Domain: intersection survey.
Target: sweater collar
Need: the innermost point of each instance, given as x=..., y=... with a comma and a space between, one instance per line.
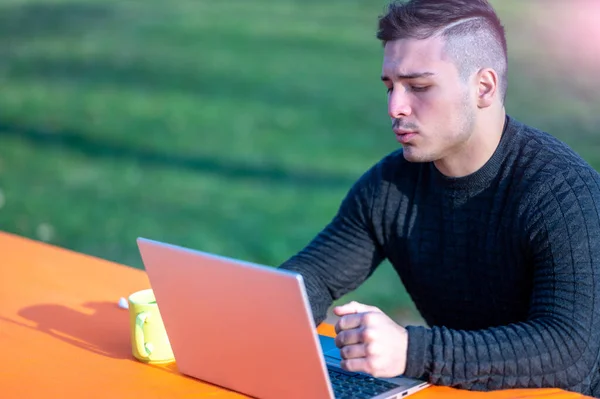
x=490, y=170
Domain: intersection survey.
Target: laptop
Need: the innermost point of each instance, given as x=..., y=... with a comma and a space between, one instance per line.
x=249, y=328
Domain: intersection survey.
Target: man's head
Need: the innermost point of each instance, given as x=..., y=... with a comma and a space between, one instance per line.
x=444, y=62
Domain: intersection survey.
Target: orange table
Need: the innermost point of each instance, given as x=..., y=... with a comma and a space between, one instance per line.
x=62, y=334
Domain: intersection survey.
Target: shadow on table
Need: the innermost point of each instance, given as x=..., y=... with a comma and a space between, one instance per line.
x=103, y=330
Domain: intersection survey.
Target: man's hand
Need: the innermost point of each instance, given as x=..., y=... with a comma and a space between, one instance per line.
x=370, y=341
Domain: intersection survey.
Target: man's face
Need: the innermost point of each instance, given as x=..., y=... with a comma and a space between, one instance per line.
x=432, y=108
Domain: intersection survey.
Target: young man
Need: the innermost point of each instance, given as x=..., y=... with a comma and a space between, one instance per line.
x=492, y=225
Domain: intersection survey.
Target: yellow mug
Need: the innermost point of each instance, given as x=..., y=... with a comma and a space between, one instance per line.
x=149, y=340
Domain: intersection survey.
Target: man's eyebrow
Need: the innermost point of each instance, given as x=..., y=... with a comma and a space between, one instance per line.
x=415, y=75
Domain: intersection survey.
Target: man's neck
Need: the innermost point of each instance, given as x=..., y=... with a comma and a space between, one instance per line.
x=480, y=147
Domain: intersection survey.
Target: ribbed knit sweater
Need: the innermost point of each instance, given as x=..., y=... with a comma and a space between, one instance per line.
x=503, y=265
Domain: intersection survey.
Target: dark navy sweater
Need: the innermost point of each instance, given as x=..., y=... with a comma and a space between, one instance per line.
x=503, y=265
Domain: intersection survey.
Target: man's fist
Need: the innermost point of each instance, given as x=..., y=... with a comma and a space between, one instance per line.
x=369, y=341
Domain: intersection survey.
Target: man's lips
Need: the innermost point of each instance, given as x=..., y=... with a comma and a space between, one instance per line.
x=404, y=136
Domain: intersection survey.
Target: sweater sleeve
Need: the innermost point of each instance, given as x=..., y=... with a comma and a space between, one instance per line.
x=345, y=253
x=558, y=345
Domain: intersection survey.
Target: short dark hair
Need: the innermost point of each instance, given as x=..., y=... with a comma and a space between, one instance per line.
x=475, y=37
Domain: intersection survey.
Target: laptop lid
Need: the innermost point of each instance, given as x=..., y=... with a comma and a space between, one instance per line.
x=236, y=324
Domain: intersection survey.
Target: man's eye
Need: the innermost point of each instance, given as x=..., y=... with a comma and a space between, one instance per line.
x=389, y=90
x=419, y=88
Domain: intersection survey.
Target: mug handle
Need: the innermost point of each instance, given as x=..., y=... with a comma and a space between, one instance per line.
x=143, y=348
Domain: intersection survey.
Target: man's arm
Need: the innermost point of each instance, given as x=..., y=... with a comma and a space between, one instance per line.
x=559, y=344
x=345, y=253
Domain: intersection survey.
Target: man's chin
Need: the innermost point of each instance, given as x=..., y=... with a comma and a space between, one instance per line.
x=411, y=154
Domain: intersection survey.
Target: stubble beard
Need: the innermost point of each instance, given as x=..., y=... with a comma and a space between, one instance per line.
x=465, y=128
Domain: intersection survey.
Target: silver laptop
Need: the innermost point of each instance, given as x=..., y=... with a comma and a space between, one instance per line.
x=249, y=328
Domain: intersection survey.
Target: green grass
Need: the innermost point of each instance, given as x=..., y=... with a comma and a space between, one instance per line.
x=233, y=127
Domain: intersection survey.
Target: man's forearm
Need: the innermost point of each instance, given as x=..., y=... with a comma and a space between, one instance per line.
x=338, y=260
x=344, y=254
x=319, y=295
x=541, y=353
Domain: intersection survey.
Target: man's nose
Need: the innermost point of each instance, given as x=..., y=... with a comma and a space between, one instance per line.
x=398, y=104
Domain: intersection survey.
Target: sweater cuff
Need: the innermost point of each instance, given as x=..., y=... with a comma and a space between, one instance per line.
x=418, y=360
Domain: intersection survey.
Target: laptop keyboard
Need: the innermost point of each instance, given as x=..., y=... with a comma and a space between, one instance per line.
x=356, y=386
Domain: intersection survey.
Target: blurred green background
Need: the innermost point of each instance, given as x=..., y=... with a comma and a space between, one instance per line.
x=233, y=127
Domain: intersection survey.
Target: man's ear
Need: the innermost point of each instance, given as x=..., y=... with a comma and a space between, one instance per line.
x=487, y=87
